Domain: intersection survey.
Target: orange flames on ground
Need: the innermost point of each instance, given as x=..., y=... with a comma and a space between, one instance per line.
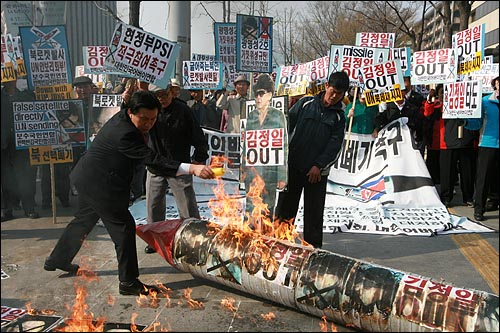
x=82, y=320
x=324, y=325
x=268, y=316
x=228, y=303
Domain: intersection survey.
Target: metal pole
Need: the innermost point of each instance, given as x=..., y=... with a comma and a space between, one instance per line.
x=179, y=30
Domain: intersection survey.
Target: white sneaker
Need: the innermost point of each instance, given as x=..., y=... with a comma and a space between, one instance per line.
x=74, y=191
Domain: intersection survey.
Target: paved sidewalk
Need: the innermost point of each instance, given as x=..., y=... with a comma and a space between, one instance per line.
x=26, y=243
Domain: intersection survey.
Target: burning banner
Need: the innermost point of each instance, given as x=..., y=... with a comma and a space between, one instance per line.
x=344, y=290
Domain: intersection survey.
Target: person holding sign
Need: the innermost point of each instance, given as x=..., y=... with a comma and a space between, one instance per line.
x=364, y=116
x=487, y=154
x=102, y=177
x=18, y=176
x=317, y=127
x=399, y=109
x=233, y=106
x=265, y=153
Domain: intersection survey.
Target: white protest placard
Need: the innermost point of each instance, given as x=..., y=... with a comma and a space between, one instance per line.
x=299, y=79
x=375, y=39
x=382, y=82
x=203, y=74
x=94, y=58
x=470, y=46
x=143, y=55
x=434, y=66
x=462, y=100
x=47, y=123
x=350, y=58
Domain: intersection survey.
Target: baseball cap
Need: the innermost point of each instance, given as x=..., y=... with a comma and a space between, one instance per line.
x=155, y=88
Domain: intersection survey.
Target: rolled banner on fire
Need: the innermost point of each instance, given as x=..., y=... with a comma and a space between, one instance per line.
x=347, y=291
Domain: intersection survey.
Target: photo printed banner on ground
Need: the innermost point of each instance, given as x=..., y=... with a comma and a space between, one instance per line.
x=378, y=186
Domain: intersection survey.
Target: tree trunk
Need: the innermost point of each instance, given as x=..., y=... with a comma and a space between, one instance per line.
x=464, y=8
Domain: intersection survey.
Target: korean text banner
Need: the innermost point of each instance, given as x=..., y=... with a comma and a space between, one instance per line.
x=225, y=51
x=94, y=60
x=486, y=74
x=462, y=100
x=254, y=43
x=350, y=58
x=296, y=79
x=434, y=66
x=382, y=82
x=470, y=46
x=142, y=55
x=47, y=123
x=202, y=75
x=375, y=39
x=46, y=55
x=404, y=56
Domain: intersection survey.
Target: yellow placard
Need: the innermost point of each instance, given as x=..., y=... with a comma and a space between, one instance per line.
x=51, y=154
x=55, y=92
x=8, y=72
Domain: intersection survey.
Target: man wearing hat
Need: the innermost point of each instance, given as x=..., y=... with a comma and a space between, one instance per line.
x=233, y=108
x=177, y=132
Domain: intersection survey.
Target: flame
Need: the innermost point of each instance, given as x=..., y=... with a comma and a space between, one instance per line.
x=81, y=319
x=228, y=303
x=324, y=325
x=191, y=302
x=268, y=316
x=227, y=213
x=110, y=299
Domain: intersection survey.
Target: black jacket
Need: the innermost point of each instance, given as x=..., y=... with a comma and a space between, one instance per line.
x=105, y=171
x=176, y=132
x=316, y=133
x=409, y=110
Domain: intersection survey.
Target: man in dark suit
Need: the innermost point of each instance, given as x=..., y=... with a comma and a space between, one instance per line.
x=103, y=176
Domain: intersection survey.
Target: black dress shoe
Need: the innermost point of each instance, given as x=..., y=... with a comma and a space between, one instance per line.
x=69, y=268
x=137, y=288
x=479, y=217
x=149, y=249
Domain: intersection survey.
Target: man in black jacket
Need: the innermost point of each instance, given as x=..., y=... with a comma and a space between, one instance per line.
x=102, y=177
x=317, y=127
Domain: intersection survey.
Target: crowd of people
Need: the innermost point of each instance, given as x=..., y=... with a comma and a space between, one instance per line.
x=155, y=144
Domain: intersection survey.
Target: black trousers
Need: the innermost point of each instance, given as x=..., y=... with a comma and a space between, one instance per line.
x=432, y=163
x=119, y=223
x=486, y=176
x=314, y=204
x=466, y=159
x=18, y=180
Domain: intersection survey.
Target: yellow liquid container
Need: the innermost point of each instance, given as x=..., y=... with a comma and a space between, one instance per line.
x=218, y=172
